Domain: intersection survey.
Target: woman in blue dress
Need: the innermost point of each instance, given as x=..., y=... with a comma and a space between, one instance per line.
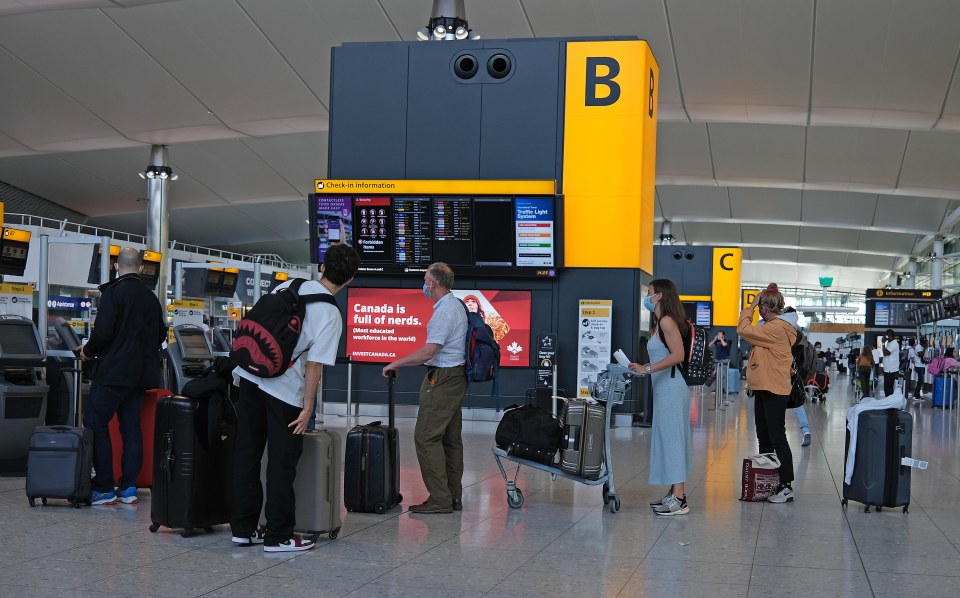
x=671, y=447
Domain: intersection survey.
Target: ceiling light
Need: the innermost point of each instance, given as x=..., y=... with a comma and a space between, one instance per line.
x=174, y=177
x=158, y=172
x=142, y=176
x=461, y=33
x=439, y=31
x=423, y=34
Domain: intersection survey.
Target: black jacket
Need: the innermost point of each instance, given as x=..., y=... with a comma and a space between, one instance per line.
x=127, y=335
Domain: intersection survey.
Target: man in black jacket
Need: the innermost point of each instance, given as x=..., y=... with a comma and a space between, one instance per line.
x=126, y=340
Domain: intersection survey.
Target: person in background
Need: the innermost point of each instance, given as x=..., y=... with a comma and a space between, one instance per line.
x=920, y=369
x=671, y=448
x=865, y=367
x=800, y=412
x=126, y=340
x=877, y=361
x=438, y=433
x=720, y=346
x=891, y=362
x=768, y=374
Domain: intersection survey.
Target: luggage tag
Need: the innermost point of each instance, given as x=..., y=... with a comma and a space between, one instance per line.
x=907, y=461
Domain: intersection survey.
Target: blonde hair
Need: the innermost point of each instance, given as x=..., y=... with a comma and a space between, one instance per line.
x=772, y=299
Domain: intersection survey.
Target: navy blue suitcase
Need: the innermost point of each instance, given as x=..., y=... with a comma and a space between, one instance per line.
x=371, y=472
x=59, y=464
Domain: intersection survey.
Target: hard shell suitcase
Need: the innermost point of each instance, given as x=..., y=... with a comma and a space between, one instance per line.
x=884, y=437
x=148, y=416
x=317, y=485
x=59, y=464
x=371, y=474
x=192, y=472
x=733, y=380
x=938, y=390
x=581, y=450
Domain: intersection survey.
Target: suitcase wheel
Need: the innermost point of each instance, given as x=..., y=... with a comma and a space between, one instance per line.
x=33, y=501
x=606, y=493
x=906, y=508
x=187, y=532
x=208, y=529
x=843, y=503
x=380, y=508
x=43, y=501
x=154, y=527
x=334, y=534
x=515, y=499
x=866, y=509
x=399, y=498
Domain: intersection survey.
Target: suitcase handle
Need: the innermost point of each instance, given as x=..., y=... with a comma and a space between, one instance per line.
x=391, y=384
x=61, y=428
x=166, y=465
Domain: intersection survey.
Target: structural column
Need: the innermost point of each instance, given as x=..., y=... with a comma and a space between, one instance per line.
x=936, y=271
x=159, y=175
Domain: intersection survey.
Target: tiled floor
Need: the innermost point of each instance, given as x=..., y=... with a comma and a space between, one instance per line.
x=562, y=542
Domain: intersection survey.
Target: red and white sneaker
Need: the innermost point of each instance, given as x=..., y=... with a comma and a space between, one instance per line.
x=294, y=544
x=255, y=538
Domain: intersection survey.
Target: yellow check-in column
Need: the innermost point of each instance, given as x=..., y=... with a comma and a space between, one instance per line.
x=609, y=154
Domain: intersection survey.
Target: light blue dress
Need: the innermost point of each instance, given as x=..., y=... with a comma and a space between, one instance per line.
x=672, y=444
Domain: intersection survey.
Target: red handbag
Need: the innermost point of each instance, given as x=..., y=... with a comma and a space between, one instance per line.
x=761, y=477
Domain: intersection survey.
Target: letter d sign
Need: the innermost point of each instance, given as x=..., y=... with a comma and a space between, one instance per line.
x=594, y=80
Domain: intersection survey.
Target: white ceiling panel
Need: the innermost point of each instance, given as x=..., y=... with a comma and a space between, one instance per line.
x=829, y=238
x=227, y=219
x=757, y=152
x=694, y=203
x=837, y=207
x=299, y=159
x=747, y=60
x=218, y=165
x=220, y=54
x=883, y=62
x=711, y=233
x=774, y=235
x=683, y=151
x=65, y=45
x=285, y=219
x=773, y=254
x=63, y=183
x=915, y=214
x=824, y=258
x=854, y=155
x=950, y=120
x=931, y=161
x=884, y=243
x=759, y=203
x=130, y=222
x=873, y=262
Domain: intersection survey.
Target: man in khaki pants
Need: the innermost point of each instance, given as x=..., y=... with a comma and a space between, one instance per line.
x=439, y=422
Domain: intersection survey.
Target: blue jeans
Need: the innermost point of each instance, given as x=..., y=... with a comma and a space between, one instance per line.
x=801, y=414
x=126, y=403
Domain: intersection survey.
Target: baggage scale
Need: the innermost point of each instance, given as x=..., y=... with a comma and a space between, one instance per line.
x=610, y=387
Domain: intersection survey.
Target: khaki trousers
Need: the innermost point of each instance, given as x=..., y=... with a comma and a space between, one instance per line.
x=437, y=435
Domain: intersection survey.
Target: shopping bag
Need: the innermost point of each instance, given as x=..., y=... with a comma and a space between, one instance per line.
x=761, y=477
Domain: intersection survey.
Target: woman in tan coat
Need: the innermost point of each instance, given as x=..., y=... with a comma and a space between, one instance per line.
x=768, y=374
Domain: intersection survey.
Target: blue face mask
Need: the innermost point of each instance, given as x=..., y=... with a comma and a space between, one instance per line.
x=647, y=303
x=426, y=290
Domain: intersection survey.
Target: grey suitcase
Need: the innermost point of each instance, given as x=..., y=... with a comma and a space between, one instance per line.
x=581, y=450
x=884, y=437
x=59, y=464
x=317, y=485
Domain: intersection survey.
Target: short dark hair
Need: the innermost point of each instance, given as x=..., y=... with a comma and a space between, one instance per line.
x=340, y=263
x=888, y=331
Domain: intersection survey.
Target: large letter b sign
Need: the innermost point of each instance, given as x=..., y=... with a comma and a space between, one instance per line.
x=595, y=80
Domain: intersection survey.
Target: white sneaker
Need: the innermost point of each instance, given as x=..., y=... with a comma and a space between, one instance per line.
x=294, y=544
x=255, y=538
x=785, y=494
x=806, y=440
x=672, y=506
x=659, y=501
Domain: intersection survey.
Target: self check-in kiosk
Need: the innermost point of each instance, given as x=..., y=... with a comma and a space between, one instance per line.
x=62, y=373
x=23, y=394
x=189, y=356
x=222, y=339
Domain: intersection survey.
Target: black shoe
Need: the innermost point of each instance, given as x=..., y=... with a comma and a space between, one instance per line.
x=457, y=504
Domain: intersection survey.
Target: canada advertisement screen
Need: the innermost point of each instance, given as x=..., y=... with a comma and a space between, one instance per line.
x=384, y=324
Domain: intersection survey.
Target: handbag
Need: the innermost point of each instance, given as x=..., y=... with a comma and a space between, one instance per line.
x=798, y=394
x=761, y=477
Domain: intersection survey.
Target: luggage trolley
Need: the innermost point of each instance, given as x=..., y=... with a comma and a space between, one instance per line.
x=611, y=385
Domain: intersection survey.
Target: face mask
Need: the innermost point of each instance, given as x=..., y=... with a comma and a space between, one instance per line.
x=647, y=303
x=426, y=290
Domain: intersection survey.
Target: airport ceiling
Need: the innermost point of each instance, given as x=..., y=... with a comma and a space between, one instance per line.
x=821, y=136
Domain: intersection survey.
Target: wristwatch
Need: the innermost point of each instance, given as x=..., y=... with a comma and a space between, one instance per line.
x=648, y=369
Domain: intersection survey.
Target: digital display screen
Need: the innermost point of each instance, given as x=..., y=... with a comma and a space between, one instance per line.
x=213, y=282
x=453, y=231
x=385, y=324
x=18, y=339
x=229, y=286
x=700, y=313
x=897, y=314
x=193, y=345
x=477, y=235
x=15, y=252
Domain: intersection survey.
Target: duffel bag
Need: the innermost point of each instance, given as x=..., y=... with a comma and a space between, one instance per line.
x=537, y=430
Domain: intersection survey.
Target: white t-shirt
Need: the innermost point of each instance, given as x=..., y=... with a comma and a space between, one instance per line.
x=891, y=363
x=916, y=356
x=318, y=342
x=877, y=356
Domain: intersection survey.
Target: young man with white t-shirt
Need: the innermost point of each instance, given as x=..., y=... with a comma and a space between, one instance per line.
x=278, y=410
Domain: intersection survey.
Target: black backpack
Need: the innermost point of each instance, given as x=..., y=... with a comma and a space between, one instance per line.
x=482, y=351
x=529, y=433
x=267, y=336
x=697, y=364
x=804, y=357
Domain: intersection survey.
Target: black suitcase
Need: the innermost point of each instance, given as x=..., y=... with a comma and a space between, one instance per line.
x=884, y=437
x=371, y=472
x=59, y=464
x=192, y=468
